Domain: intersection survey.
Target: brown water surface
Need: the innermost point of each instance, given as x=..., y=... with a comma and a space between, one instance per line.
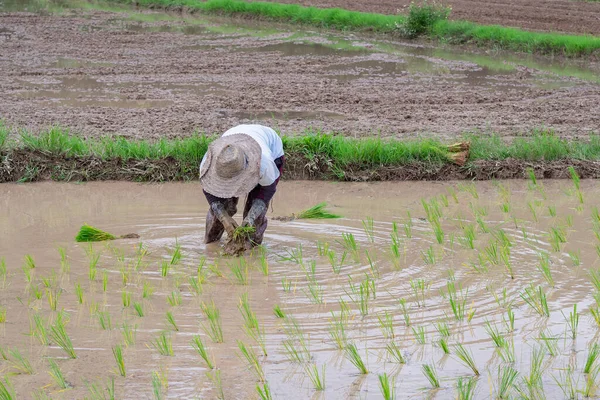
x=37, y=219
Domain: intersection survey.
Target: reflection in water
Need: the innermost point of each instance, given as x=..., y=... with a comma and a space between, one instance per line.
x=491, y=231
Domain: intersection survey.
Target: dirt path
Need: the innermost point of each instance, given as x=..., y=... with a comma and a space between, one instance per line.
x=576, y=16
x=99, y=73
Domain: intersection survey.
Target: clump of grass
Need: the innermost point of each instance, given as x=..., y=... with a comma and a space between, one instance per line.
x=355, y=358
x=57, y=375
x=317, y=212
x=213, y=327
x=387, y=386
x=431, y=375
x=163, y=344
x=506, y=381
x=139, y=309
x=201, y=349
x=317, y=379
x=252, y=359
x=20, y=362
x=58, y=334
x=118, y=354
x=466, y=388
x=466, y=358
x=88, y=233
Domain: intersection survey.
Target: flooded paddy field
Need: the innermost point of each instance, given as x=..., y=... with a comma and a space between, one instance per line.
x=151, y=75
x=494, y=285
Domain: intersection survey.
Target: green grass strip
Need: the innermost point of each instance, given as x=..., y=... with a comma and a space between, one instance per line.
x=454, y=31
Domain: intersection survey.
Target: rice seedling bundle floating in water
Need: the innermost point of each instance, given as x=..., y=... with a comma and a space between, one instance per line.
x=88, y=233
x=317, y=212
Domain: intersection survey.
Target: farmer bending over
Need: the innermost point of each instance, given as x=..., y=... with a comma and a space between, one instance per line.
x=245, y=160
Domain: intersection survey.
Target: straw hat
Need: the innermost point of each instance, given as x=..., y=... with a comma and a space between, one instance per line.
x=232, y=166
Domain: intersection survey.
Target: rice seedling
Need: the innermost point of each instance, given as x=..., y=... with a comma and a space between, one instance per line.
x=407, y=226
x=466, y=358
x=566, y=383
x=372, y=266
x=591, y=386
x=431, y=375
x=592, y=356
x=369, y=229
x=57, y=375
x=595, y=311
x=420, y=334
x=419, y=288
x=214, y=268
x=533, y=211
x=28, y=272
x=264, y=392
x=552, y=210
x=2, y=314
x=240, y=271
x=494, y=334
x=58, y=334
x=163, y=344
x=20, y=363
x=550, y=342
x=536, y=299
x=350, y=245
x=7, y=391
x=129, y=334
x=157, y=386
x=572, y=321
x=105, y=281
x=126, y=298
x=171, y=321
x=148, y=290
x=118, y=354
x=98, y=393
x=386, y=323
x=294, y=255
x=215, y=377
x=165, y=266
x=405, y=313
x=395, y=353
x=315, y=292
x=576, y=183
x=36, y=292
x=533, y=382
x=575, y=257
x=176, y=254
x=317, y=379
x=468, y=239
x=296, y=354
x=278, y=311
x=465, y=388
x=201, y=349
x=252, y=359
x=492, y=254
x=457, y=300
x=507, y=351
x=506, y=381
x=429, y=256
x=438, y=231
x=3, y=354
x=443, y=344
x=483, y=227
x=354, y=357
x=395, y=253
x=213, y=326
x=558, y=236
x=337, y=330
x=317, y=212
x=3, y=272
x=544, y=268
x=263, y=263
x=139, y=308
x=174, y=299
x=93, y=266
x=387, y=386
x=104, y=320
x=286, y=284
x=53, y=295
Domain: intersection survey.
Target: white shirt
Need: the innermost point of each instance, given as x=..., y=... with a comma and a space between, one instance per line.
x=270, y=144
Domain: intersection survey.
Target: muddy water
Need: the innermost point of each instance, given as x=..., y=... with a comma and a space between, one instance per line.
x=208, y=74
x=37, y=219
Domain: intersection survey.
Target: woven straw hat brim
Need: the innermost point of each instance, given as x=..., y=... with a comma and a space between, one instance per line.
x=242, y=183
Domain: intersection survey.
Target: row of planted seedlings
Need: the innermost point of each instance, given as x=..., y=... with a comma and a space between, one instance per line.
x=512, y=261
x=366, y=275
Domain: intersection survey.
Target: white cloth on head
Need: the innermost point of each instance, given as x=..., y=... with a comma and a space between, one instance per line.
x=270, y=144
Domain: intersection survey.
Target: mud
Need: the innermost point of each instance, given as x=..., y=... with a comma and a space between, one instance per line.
x=40, y=218
x=151, y=75
x=547, y=15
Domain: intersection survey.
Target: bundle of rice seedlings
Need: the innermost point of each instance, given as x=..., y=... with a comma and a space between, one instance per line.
x=88, y=233
x=243, y=232
x=317, y=212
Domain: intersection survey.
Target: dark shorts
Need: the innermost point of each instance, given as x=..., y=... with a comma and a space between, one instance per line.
x=265, y=193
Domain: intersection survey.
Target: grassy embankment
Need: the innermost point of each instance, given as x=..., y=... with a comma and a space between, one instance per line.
x=57, y=155
x=426, y=20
